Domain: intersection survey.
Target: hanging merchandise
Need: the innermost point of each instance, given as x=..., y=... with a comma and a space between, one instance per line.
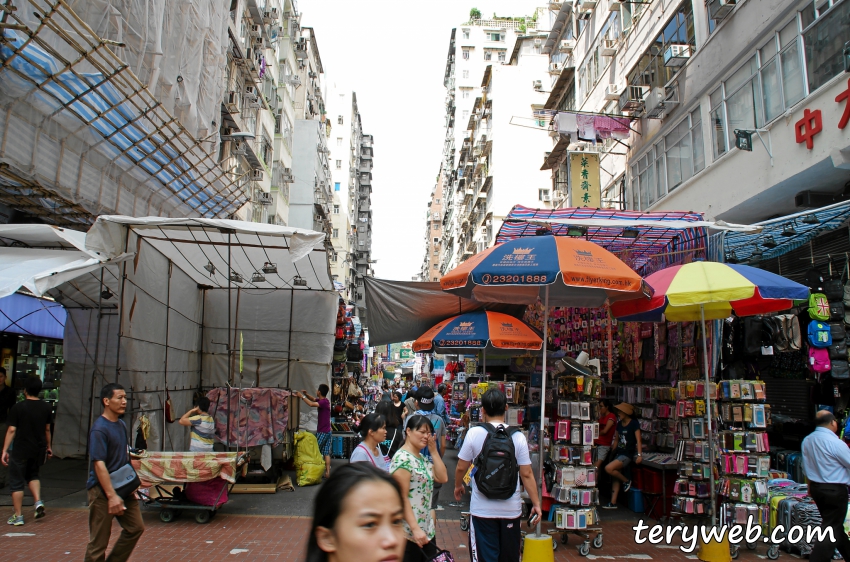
x=250, y=416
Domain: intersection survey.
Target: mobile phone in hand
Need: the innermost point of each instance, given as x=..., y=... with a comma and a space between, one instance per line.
x=532, y=521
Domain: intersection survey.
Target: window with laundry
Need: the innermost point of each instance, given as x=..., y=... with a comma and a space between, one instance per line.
x=650, y=69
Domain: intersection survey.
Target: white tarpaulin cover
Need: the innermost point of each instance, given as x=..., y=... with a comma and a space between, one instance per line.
x=174, y=323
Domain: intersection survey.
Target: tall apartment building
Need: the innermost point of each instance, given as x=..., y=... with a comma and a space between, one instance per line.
x=695, y=77
x=343, y=113
x=311, y=194
x=361, y=243
x=490, y=160
x=430, y=270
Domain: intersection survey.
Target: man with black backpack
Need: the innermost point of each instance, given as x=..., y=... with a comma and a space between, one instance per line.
x=500, y=459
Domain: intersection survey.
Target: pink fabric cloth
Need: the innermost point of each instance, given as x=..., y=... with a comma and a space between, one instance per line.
x=260, y=419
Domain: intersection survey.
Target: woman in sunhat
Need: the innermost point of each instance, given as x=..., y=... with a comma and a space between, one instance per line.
x=627, y=446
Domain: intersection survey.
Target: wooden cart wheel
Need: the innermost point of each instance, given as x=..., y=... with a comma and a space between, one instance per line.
x=167, y=515
x=202, y=516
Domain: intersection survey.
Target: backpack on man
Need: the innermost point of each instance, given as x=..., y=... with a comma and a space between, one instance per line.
x=496, y=468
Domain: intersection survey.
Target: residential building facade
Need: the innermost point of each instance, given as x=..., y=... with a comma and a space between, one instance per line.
x=361, y=243
x=489, y=156
x=433, y=233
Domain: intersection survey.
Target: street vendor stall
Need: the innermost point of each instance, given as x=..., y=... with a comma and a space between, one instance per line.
x=203, y=304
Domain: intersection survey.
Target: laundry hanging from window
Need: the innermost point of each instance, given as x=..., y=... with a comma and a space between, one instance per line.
x=591, y=128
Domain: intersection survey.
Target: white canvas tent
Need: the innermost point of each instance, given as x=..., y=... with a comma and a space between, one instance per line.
x=170, y=337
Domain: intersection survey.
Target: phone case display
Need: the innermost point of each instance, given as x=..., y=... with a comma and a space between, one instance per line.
x=692, y=489
x=656, y=408
x=574, y=330
x=743, y=452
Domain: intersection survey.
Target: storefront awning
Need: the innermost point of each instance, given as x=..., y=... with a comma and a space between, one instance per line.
x=784, y=234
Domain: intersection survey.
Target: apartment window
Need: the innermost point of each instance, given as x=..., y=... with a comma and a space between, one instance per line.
x=336, y=233
x=466, y=74
x=438, y=201
x=826, y=27
x=336, y=186
x=339, y=141
x=286, y=130
x=465, y=114
x=488, y=55
x=646, y=177
x=266, y=149
x=340, y=120
x=465, y=53
x=685, y=155
x=465, y=93
x=436, y=266
x=466, y=34
x=650, y=69
x=435, y=279
x=629, y=14
x=333, y=259
x=336, y=209
x=501, y=56
x=339, y=164
x=495, y=36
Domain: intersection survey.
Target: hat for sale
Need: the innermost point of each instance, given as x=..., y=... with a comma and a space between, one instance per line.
x=425, y=398
x=627, y=409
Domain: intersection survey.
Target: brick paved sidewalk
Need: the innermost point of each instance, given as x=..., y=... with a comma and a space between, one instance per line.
x=63, y=535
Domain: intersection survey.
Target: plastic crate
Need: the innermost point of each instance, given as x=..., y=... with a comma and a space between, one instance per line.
x=634, y=500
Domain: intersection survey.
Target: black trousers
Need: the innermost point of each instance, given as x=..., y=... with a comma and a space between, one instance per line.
x=831, y=500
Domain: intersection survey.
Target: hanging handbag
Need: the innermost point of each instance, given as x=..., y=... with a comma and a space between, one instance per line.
x=836, y=311
x=833, y=287
x=441, y=556
x=838, y=350
x=168, y=408
x=840, y=370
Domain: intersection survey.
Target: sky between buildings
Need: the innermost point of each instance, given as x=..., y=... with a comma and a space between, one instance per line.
x=393, y=55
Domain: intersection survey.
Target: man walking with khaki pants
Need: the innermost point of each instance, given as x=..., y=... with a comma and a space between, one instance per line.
x=109, y=451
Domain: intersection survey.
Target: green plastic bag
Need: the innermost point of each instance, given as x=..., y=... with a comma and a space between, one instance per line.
x=309, y=463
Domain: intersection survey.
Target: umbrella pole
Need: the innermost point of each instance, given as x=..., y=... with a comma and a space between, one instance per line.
x=541, y=450
x=708, y=417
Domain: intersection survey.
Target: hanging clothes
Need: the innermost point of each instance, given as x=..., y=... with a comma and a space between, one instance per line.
x=611, y=127
x=566, y=123
x=260, y=419
x=586, y=128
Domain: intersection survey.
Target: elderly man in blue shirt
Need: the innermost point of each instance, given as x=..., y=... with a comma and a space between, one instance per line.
x=826, y=460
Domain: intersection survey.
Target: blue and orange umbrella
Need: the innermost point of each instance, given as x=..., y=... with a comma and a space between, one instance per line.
x=479, y=330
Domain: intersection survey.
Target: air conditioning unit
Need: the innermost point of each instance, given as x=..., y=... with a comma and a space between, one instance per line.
x=250, y=91
x=538, y=85
x=264, y=198
x=311, y=97
x=632, y=98
x=615, y=5
x=555, y=68
x=286, y=176
x=608, y=48
x=567, y=45
x=547, y=196
x=249, y=54
x=654, y=105
x=719, y=9
x=270, y=16
x=538, y=42
x=233, y=101
x=677, y=55
x=294, y=80
x=256, y=31
x=256, y=175
x=238, y=148
x=613, y=92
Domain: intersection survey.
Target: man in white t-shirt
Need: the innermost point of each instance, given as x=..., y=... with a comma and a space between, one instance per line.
x=494, y=530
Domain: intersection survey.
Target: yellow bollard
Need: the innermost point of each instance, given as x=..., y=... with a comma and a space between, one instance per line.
x=714, y=551
x=538, y=548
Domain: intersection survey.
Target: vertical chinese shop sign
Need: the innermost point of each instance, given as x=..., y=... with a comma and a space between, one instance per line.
x=585, y=190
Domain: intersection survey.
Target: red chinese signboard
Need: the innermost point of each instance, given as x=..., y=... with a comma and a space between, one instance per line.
x=811, y=124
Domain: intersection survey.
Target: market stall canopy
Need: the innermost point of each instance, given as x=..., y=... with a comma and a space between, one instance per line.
x=681, y=290
x=646, y=241
x=263, y=256
x=570, y=271
x=482, y=329
x=40, y=257
x=403, y=310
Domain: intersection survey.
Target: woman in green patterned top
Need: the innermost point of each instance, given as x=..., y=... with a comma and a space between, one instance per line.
x=416, y=475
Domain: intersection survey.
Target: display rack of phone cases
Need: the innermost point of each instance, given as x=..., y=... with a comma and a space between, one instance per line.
x=692, y=489
x=655, y=407
x=743, y=453
x=575, y=427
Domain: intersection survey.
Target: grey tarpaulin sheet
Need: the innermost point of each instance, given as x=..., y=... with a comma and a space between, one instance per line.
x=404, y=310
x=173, y=326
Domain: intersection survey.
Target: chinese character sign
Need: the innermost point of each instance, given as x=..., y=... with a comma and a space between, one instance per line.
x=585, y=189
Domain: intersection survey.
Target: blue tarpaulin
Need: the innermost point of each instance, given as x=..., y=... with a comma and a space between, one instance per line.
x=32, y=316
